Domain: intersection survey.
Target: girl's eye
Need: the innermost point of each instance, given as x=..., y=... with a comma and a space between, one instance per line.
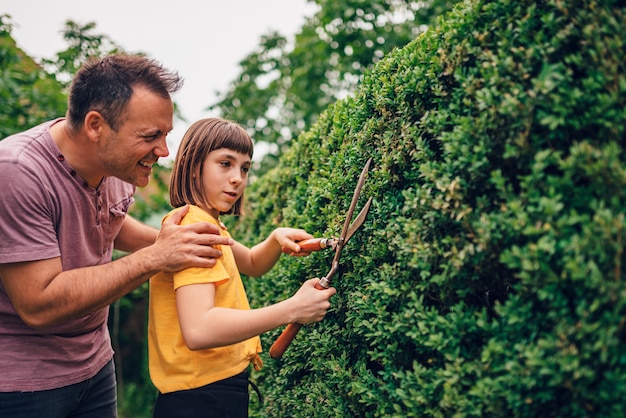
x=245, y=169
x=225, y=163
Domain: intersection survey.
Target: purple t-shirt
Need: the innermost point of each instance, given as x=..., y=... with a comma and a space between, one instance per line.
x=47, y=211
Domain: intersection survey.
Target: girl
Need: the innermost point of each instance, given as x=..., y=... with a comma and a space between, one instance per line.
x=202, y=334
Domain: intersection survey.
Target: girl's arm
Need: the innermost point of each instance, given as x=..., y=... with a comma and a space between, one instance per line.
x=258, y=260
x=204, y=325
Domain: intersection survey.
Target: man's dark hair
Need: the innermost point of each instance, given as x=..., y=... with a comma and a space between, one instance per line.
x=106, y=86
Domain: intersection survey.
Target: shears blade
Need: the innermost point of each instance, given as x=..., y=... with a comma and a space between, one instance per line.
x=358, y=221
x=343, y=238
x=349, y=229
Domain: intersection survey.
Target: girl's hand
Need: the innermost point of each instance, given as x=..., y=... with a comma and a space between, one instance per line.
x=287, y=239
x=311, y=303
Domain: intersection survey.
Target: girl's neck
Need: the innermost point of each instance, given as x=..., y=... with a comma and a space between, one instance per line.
x=211, y=211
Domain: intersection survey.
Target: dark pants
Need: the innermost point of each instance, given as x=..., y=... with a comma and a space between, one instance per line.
x=93, y=398
x=227, y=398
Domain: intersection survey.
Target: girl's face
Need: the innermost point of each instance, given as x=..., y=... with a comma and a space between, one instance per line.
x=225, y=176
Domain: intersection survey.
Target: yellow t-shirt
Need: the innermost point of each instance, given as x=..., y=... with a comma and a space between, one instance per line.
x=172, y=365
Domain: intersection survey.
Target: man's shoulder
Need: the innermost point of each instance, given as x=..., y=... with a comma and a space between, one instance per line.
x=26, y=145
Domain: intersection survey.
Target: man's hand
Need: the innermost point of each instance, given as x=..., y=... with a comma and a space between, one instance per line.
x=183, y=246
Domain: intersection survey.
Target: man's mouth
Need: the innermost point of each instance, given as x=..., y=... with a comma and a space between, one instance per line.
x=145, y=164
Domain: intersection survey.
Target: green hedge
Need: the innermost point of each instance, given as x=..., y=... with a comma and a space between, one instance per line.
x=488, y=279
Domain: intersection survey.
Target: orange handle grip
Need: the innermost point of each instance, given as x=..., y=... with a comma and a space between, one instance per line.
x=282, y=342
x=313, y=244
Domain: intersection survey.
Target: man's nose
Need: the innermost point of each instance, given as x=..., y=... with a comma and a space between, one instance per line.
x=161, y=149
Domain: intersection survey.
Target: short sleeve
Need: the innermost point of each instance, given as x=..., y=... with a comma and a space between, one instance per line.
x=27, y=221
x=196, y=275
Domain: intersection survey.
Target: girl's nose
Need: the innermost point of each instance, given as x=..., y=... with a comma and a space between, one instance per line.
x=236, y=177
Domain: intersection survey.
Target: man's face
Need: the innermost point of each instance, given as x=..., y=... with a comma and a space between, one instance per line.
x=129, y=153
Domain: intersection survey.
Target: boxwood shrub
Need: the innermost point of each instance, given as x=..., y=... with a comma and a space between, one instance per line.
x=489, y=278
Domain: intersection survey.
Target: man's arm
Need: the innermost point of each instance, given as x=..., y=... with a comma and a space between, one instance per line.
x=44, y=295
x=134, y=235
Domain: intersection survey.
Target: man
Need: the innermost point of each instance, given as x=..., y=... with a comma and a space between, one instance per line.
x=66, y=187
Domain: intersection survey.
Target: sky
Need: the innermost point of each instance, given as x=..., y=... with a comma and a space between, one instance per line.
x=204, y=40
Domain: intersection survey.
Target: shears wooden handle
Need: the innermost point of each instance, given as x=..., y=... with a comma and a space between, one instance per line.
x=289, y=333
x=313, y=244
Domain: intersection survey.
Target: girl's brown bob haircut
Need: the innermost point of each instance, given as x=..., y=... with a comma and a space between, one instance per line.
x=202, y=137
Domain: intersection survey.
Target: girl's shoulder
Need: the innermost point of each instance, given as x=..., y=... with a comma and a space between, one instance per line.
x=195, y=215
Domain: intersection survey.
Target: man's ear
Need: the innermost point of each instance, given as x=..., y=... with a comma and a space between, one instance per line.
x=95, y=125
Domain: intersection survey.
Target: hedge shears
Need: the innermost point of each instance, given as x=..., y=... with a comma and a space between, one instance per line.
x=280, y=345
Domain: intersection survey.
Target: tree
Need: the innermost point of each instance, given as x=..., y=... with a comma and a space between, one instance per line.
x=33, y=92
x=83, y=44
x=283, y=86
x=28, y=94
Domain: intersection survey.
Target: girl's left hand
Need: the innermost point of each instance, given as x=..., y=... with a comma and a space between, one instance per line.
x=287, y=239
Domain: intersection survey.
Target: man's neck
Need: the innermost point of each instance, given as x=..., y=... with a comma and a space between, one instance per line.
x=71, y=146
